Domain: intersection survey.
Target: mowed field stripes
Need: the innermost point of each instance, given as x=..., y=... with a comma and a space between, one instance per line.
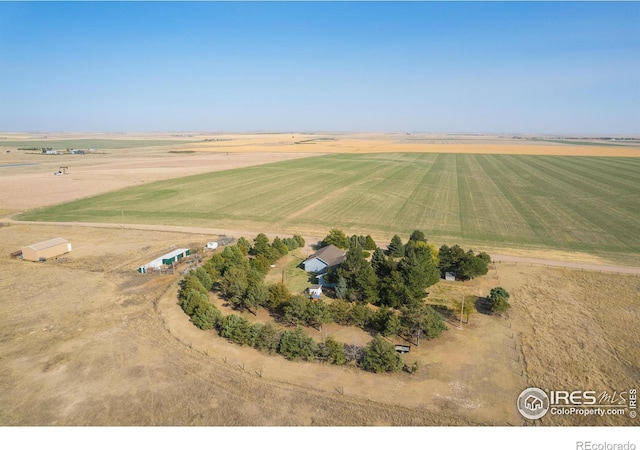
x=589, y=204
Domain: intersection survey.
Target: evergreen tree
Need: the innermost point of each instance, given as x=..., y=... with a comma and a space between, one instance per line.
x=340, y=312
x=244, y=245
x=342, y=290
x=417, y=236
x=261, y=245
x=369, y=243
x=393, y=290
x=278, y=294
x=378, y=262
x=257, y=294
x=386, y=322
x=234, y=283
x=280, y=247
x=297, y=344
x=396, y=248
x=499, y=300
x=237, y=329
x=261, y=264
x=418, y=271
x=206, y=316
x=332, y=351
x=317, y=314
x=381, y=356
x=360, y=315
x=360, y=277
x=264, y=337
x=204, y=277
x=421, y=320
x=299, y=240
x=295, y=311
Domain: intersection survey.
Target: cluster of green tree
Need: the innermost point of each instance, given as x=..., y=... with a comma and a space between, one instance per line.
x=338, y=238
x=395, y=281
x=499, y=300
x=193, y=297
x=267, y=253
x=466, y=265
x=237, y=276
x=239, y=270
x=295, y=344
x=378, y=356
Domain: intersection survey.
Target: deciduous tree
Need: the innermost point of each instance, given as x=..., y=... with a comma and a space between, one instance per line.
x=336, y=237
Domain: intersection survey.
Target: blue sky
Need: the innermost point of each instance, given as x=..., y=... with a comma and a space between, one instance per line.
x=514, y=67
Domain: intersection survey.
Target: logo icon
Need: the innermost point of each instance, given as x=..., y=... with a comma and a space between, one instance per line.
x=533, y=403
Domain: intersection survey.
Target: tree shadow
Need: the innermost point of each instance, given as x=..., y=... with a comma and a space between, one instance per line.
x=447, y=313
x=483, y=305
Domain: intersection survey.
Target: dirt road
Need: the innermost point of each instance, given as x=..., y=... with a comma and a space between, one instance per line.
x=313, y=239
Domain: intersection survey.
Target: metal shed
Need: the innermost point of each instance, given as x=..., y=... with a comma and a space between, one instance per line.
x=166, y=260
x=47, y=249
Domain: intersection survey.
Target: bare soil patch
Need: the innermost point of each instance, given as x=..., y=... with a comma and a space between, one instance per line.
x=34, y=185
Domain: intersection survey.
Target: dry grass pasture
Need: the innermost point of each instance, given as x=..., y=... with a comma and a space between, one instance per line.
x=85, y=340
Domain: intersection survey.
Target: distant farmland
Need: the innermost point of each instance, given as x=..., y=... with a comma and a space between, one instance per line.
x=587, y=204
x=90, y=143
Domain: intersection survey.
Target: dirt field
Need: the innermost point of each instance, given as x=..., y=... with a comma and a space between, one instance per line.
x=33, y=184
x=86, y=340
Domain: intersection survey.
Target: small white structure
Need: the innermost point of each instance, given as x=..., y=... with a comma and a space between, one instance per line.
x=315, y=291
x=450, y=276
x=212, y=245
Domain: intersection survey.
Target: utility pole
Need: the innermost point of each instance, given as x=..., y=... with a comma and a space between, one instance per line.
x=461, y=311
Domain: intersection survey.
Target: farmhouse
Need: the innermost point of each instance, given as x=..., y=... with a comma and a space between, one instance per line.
x=47, y=249
x=323, y=259
x=166, y=260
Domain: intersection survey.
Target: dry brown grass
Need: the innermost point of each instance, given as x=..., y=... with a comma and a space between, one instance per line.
x=90, y=342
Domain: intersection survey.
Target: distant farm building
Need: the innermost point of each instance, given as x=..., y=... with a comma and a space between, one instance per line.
x=324, y=259
x=47, y=249
x=165, y=260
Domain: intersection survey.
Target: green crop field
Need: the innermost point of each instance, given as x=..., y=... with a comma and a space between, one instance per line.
x=588, y=204
x=102, y=144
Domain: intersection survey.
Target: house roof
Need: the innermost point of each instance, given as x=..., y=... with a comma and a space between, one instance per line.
x=315, y=286
x=330, y=255
x=47, y=244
